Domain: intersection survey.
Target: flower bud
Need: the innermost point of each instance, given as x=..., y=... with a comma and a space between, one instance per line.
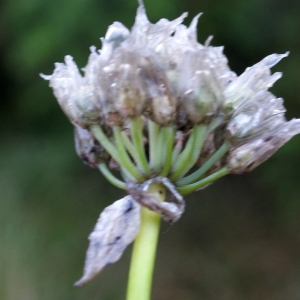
x=199, y=89
x=76, y=94
x=162, y=101
x=134, y=82
x=248, y=156
x=261, y=113
x=87, y=147
x=122, y=81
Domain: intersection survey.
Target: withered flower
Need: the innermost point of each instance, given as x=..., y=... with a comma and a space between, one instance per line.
x=158, y=103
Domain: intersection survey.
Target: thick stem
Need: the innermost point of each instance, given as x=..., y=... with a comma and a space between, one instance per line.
x=144, y=250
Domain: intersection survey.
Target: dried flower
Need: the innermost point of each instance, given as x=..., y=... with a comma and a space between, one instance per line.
x=157, y=104
x=254, y=79
x=75, y=94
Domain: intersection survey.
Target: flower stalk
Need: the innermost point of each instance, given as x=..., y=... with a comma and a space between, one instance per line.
x=136, y=128
x=144, y=250
x=205, y=167
x=110, y=177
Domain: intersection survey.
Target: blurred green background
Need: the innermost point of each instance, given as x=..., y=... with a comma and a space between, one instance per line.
x=239, y=238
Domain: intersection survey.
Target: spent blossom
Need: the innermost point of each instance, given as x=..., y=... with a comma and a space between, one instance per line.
x=161, y=107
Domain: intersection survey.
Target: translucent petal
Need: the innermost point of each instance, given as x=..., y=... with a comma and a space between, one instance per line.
x=260, y=114
x=253, y=80
x=115, y=35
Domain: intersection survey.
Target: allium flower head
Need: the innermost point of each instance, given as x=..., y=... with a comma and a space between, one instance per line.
x=162, y=108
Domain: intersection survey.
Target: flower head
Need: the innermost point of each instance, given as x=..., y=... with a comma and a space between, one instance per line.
x=161, y=107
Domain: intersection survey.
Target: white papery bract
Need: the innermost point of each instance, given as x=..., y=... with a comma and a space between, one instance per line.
x=116, y=228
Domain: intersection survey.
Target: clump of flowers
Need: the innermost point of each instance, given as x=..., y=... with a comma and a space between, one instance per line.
x=170, y=115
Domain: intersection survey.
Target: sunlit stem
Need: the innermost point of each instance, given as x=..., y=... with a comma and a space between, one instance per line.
x=153, y=129
x=205, y=167
x=110, y=177
x=169, y=133
x=184, y=156
x=126, y=162
x=188, y=189
x=144, y=250
x=136, y=127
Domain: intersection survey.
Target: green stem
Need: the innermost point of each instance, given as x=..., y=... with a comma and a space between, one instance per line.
x=105, y=142
x=126, y=162
x=144, y=250
x=214, y=124
x=205, y=167
x=129, y=146
x=200, y=134
x=184, y=156
x=110, y=177
x=159, y=151
x=136, y=127
x=167, y=155
x=188, y=189
x=153, y=139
